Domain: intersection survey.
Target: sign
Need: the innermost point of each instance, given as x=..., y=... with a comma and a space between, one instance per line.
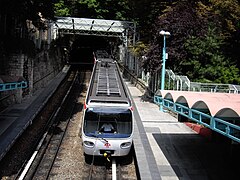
x=107, y=145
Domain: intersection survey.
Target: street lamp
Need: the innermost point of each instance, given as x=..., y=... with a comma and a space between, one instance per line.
x=164, y=34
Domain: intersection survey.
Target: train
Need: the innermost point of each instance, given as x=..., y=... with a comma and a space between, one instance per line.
x=107, y=128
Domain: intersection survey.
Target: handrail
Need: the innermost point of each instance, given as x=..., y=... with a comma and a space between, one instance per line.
x=13, y=85
x=225, y=128
x=137, y=81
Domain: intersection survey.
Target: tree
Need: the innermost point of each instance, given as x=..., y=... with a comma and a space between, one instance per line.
x=115, y=9
x=182, y=22
x=200, y=32
x=60, y=9
x=87, y=9
x=108, y=9
x=225, y=15
x=145, y=13
x=27, y=9
x=206, y=61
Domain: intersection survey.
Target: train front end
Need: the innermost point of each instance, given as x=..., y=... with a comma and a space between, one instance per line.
x=107, y=130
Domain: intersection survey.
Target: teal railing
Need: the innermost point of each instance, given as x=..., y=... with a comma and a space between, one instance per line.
x=13, y=85
x=225, y=128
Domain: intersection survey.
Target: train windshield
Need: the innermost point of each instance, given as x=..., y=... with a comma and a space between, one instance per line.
x=108, y=122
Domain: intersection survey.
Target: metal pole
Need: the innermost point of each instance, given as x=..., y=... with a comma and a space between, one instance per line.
x=164, y=34
x=163, y=63
x=163, y=69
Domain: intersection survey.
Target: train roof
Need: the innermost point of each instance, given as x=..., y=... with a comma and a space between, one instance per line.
x=106, y=84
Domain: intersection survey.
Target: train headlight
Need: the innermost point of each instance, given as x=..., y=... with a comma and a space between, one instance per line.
x=126, y=145
x=88, y=144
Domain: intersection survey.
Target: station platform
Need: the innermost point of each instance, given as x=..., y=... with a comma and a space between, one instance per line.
x=16, y=118
x=168, y=149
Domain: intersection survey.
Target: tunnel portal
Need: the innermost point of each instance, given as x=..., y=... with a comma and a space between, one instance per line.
x=84, y=48
x=86, y=36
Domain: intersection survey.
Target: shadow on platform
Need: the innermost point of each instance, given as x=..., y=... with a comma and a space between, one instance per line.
x=198, y=157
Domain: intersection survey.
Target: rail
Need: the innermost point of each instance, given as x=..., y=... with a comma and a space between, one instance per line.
x=43, y=158
x=182, y=83
x=39, y=80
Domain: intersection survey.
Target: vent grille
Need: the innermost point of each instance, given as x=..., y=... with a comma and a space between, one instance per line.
x=107, y=82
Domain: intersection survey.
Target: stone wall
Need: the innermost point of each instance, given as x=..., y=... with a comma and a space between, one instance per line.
x=46, y=66
x=38, y=72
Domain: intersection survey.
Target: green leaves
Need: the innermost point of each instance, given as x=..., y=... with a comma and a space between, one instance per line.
x=204, y=42
x=60, y=9
x=108, y=9
x=207, y=60
x=139, y=49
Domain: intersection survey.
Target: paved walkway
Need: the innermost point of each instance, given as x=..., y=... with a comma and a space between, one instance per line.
x=16, y=118
x=168, y=149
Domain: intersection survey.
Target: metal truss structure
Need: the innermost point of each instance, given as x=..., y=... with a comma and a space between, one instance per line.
x=95, y=27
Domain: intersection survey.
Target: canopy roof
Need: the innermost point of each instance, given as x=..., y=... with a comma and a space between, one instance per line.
x=218, y=104
x=100, y=27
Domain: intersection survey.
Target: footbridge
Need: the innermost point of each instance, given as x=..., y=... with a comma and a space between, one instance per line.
x=93, y=33
x=218, y=111
x=94, y=27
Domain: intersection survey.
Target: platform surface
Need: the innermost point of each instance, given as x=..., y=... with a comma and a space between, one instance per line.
x=16, y=118
x=168, y=149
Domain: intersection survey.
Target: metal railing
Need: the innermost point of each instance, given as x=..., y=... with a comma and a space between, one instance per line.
x=13, y=85
x=223, y=127
x=182, y=83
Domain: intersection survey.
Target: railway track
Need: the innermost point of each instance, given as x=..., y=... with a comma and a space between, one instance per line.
x=101, y=169
x=41, y=163
x=22, y=149
x=112, y=168
x=59, y=153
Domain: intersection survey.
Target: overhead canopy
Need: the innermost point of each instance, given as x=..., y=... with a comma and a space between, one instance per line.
x=100, y=27
x=218, y=104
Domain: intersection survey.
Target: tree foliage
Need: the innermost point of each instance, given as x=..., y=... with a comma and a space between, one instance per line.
x=205, y=34
x=182, y=22
x=206, y=61
x=108, y=9
x=204, y=40
x=60, y=9
x=27, y=9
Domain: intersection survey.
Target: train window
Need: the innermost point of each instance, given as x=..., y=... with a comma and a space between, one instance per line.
x=108, y=122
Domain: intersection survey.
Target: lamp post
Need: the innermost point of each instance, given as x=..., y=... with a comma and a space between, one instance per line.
x=164, y=34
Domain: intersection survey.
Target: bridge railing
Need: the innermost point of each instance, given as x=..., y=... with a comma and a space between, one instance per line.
x=214, y=87
x=223, y=127
x=182, y=83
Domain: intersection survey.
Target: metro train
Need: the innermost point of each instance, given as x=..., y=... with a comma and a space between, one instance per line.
x=107, y=127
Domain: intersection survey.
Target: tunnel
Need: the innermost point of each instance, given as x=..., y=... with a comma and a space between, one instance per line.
x=86, y=36
x=84, y=48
